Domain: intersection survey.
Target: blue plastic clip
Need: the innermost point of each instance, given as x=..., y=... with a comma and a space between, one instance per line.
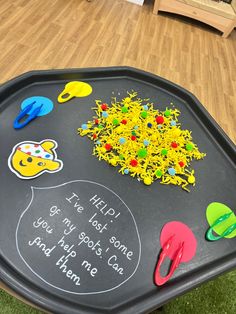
x=23, y=113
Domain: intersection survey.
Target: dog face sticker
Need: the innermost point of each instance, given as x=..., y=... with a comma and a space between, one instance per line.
x=30, y=159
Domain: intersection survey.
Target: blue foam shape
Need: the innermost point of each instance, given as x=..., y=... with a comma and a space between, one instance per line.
x=39, y=100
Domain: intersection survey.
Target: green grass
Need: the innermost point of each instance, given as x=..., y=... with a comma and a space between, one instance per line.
x=215, y=297
x=10, y=305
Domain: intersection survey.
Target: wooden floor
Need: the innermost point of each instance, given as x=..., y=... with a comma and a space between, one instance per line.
x=76, y=33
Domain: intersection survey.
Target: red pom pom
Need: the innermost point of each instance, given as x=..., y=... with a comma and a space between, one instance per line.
x=133, y=163
x=181, y=163
x=133, y=138
x=94, y=136
x=104, y=107
x=174, y=145
x=96, y=121
x=124, y=121
x=108, y=147
x=159, y=120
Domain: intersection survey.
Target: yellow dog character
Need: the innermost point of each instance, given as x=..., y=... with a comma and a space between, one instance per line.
x=30, y=159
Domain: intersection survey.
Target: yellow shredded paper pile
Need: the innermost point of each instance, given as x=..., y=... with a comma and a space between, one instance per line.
x=143, y=141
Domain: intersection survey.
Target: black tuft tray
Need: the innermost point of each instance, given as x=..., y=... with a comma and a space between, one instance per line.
x=145, y=209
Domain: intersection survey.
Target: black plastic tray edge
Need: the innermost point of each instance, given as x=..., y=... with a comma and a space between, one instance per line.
x=181, y=286
x=44, y=300
x=87, y=73
x=8, y=275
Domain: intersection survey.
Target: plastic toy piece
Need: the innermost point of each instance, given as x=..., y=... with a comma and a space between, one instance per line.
x=228, y=231
x=137, y=131
x=23, y=113
x=221, y=220
x=74, y=89
x=47, y=104
x=159, y=280
x=178, y=244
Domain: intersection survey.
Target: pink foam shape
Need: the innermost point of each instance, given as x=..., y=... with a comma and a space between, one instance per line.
x=181, y=233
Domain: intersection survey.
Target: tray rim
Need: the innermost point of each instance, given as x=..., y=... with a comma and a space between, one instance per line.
x=30, y=291
x=126, y=71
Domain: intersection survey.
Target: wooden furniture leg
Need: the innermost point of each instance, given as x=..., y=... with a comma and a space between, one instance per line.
x=156, y=6
x=229, y=28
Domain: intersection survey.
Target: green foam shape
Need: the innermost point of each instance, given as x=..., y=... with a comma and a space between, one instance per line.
x=216, y=210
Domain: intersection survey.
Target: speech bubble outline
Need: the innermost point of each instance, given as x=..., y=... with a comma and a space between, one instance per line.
x=54, y=286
